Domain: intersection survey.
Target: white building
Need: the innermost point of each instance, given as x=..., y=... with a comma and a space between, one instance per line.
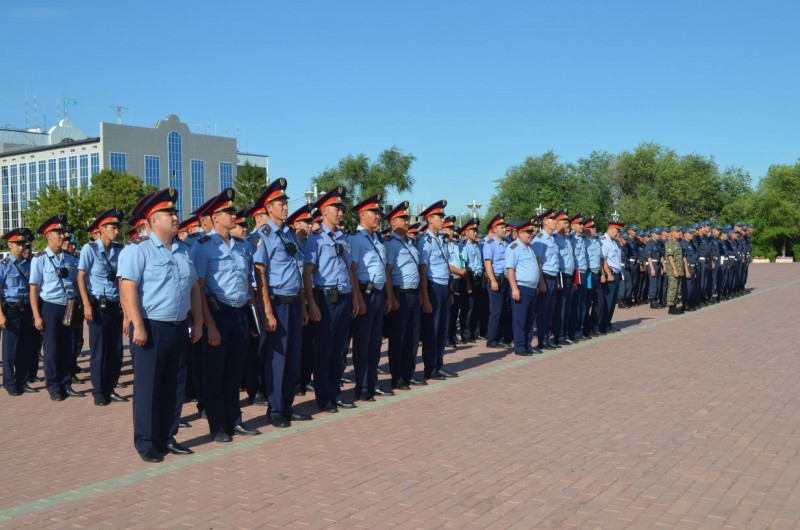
x=167, y=155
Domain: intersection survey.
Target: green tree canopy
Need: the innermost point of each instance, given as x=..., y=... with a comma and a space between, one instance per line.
x=248, y=184
x=362, y=178
x=776, y=208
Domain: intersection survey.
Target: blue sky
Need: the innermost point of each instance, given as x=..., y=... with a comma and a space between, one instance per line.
x=470, y=88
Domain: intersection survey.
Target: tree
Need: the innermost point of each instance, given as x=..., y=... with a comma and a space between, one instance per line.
x=361, y=178
x=776, y=210
x=248, y=184
x=113, y=189
x=52, y=200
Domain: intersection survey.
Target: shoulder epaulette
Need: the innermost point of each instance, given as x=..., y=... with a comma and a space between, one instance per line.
x=429, y=238
x=204, y=239
x=266, y=230
x=116, y=245
x=317, y=231
x=194, y=234
x=40, y=253
x=5, y=261
x=513, y=245
x=237, y=239
x=139, y=239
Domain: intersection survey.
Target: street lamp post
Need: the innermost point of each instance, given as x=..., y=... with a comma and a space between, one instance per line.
x=474, y=207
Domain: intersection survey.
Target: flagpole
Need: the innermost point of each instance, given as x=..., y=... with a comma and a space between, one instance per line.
x=65, y=108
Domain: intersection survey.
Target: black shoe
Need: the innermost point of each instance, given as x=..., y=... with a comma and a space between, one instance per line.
x=504, y=345
x=298, y=416
x=121, y=385
x=221, y=436
x=523, y=353
x=28, y=389
x=36, y=379
x=568, y=341
x=300, y=390
x=381, y=371
x=417, y=382
x=14, y=392
x=177, y=449
x=101, y=401
x=535, y=351
x=381, y=392
x=437, y=376
x=184, y=424
x=279, y=422
x=447, y=374
x=673, y=310
x=113, y=396
x=450, y=343
x=495, y=345
x=342, y=404
x=245, y=431
x=365, y=397
x=75, y=380
x=346, y=381
x=330, y=407
x=260, y=399
x=57, y=397
x=152, y=455
x=401, y=385
x=73, y=393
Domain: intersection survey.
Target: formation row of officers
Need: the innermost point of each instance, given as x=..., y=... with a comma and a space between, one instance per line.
x=209, y=308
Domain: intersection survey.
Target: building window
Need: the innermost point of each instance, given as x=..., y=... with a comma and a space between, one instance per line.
x=14, y=194
x=225, y=175
x=198, y=168
x=6, y=213
x=84, y=170
x=62, y=173
x=118, y=162
x=23, y=186
x=152, y=170
x=43, y=174
x=175, y=154
x=95, y=163
x=51, y=172
x=32, y=177
x=73, y=172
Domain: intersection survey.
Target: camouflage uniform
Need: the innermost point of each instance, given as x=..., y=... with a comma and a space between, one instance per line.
x=673, y=248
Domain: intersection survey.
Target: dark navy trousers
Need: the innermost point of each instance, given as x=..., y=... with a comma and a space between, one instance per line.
x=610, y=293
x=367, y=336
x=223, y=366
x=523, y=313
x=578, y=309
x=545, y=307
x=433, y=327
x=20, y=350
x=159, y=372
x=561, y=329
x=105, y=343
x=499, y=329
x=282, y=363
x=332, y=334
x=402, y=326
x=59, y=343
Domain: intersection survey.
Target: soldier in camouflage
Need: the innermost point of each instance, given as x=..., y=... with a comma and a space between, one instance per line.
x=674, y=261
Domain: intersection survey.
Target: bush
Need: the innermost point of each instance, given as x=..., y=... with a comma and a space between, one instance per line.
x=771, y=254
x=796, y=251
x=765, y=251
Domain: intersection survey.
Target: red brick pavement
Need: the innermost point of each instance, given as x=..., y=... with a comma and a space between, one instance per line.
x=677, y=422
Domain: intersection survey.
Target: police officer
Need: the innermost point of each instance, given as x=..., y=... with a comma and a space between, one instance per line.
x=460, y=285
x=53, y=275
x=565, y=285
x=434, y=272
x=402, y=323
x=277, y=260
x=578, y=312
x=332, y=302
x=652, y=255
x=499, y=332
x=691, y=262
x=223, y=266
x=594, y=289
x=375, y=297
x=99, y=290
x=631, y=266
x=523, y=273
x=158, y=287
x=612, y=271
x=544, y=246
x=20, y=338
x=473, y=306
x=300, y=221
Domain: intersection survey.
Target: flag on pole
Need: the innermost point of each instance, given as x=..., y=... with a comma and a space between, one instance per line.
x=69, y=101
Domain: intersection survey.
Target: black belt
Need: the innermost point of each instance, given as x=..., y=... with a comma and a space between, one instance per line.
x=327, y=290
x=282, y=299
x=407, y=291
x=549, y=276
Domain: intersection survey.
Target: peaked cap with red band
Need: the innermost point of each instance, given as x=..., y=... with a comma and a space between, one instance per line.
x=223, y=202
x=57, y=222
x=401, y=210
x=370, y=203
x=162, y=201
x=497, y=220
x=333, y=198
x=436, y=208
x=19, y=235
x=301, y=214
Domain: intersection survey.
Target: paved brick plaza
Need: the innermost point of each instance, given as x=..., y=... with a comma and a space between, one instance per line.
x=677, y=422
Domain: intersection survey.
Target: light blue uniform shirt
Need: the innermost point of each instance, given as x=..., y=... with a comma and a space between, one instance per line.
x=566, y=259
x=97, y=264
x=369, y=255
x=272, y=251
x=522, y=259
x=473, y=256
x=225, y=269
x=592, y=253
x=495, y=251
x=610, y=251
x=331, y=270
x=579, y=252
x=403, y=256
x=433, y=253
x=44, y=273
x=13, y=285
x=165, y=275
x=456, y=259
x=544, y=247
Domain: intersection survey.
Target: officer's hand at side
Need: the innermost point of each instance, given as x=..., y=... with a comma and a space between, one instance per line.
x=313, y=312
x=2, y=321
x=354, y=310
x=542, y=287
x=38, y=323
x=196, y=334
x=395, y=304
x=515, y=294
x=214, y=337
x=272, y=324
x=494, y=286
x=88, y=314
x=427, y=308
x=139, y=335
x=304, y=316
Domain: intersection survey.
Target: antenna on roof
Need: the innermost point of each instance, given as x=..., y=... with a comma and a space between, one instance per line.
x=119, y=110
